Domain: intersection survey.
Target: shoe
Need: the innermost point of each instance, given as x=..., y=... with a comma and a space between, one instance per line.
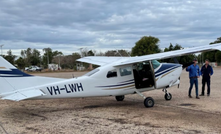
x=190, y=96
x=201, y=94
x=208, y=94
x=197, y=97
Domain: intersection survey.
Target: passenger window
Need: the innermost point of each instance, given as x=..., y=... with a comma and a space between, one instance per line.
x=125, y=71
x=112, y=73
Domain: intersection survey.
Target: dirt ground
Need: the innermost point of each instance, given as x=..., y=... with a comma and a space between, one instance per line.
x=104, y=115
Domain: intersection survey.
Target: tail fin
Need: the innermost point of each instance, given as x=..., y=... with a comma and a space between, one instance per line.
x=8, y=70
x=12, y=79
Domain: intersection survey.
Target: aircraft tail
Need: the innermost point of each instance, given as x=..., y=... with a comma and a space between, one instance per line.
x=12, y=79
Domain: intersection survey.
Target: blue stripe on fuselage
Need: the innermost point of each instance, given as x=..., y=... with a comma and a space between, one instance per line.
x=13, y=73
x=118, y=85
x=166, y=66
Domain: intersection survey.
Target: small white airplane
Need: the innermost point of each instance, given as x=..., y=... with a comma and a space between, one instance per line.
x=116, y=76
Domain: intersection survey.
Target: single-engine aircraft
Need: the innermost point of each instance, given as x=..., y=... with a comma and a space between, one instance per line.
x=116, y=76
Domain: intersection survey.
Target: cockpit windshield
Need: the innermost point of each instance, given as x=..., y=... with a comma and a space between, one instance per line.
x=155, y=64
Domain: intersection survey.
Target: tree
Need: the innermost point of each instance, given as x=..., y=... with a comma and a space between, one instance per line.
x=212, y=56
x=182, y=59
x=146, y=45
x=218, y=40
x=90, y=53
x=218, y=53
x=84, y=52
x=123, y=53
x=68, y=61
x=20, y=62
x=31, y=56
x=218, y=57
x=10, y=57
x=49, y=56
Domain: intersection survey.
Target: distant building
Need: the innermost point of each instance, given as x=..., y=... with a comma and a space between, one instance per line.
x=80, y=67
x=54, y=67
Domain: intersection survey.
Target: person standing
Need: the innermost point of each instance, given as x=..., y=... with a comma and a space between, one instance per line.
x=194, y=74
x=207, y=72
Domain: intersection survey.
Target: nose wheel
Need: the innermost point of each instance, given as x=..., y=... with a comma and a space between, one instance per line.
x=167, y=96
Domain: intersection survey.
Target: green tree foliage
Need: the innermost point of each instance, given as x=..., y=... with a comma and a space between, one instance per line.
x=31, y=56
x=68, y=61
x=90, y=53
x=10, y=57
x=49, y=55
x=146, y=45
x=212, y=56
x=218, y=40
x=20, y=62
x=123, y=53
x=183, y=59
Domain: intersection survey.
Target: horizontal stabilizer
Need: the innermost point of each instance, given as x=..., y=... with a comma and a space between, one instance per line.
x=25, y=94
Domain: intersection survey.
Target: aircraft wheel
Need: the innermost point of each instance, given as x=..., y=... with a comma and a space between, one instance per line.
x=148, y=102
x=119, y=98
x=168, y=96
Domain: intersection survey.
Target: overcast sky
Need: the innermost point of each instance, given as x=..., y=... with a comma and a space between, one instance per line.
x=68, y=25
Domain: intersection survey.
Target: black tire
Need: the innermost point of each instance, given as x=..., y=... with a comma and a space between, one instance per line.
x=119, y=98
x=168, y=96
x=149, y=102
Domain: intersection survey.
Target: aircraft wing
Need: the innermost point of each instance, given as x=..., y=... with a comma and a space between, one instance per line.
x=170, y=54
x=22, y=95
x=100, y=60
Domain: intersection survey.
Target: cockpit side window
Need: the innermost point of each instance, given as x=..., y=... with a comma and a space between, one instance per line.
x=112, y=73
x=125, y=71
x=155, y=64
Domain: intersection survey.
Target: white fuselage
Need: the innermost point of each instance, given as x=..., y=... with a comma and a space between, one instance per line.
x=98, y=84
x=95, y=83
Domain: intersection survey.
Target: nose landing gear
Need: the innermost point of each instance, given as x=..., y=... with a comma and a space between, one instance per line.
x=167, y=96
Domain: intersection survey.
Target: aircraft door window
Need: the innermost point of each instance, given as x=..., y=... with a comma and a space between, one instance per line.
x=112, y=73
x=125, y=71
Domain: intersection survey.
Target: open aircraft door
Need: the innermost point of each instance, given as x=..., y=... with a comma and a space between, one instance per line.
x=144, y=75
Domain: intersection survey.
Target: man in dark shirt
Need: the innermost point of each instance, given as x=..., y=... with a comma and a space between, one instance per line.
x=194, y=74
x=206, y=71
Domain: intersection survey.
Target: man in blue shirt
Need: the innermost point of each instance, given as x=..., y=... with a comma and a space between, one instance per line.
x=206, y=72
x=194, y=74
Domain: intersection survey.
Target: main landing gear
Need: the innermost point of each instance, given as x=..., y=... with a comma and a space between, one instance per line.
x=167, y=96
x=119, y=98
x=148, y=101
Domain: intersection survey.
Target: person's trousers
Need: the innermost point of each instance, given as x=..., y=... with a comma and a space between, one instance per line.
x=206, y=81
x=193, y=81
